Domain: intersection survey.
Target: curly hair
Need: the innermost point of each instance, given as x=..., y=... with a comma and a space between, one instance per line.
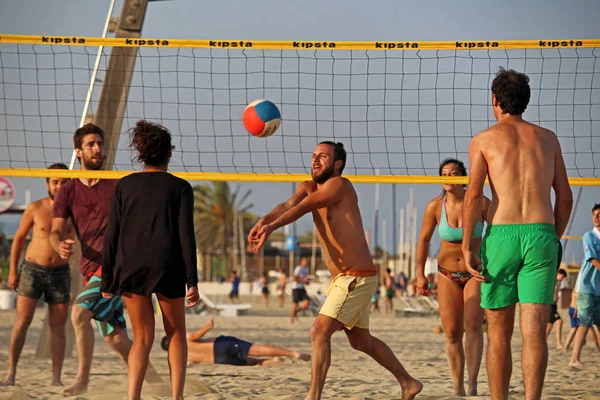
x=512, y=91
x=152, y=142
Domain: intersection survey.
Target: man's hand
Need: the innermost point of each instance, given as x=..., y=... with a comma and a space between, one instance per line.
x=422, y=286
x=13, y=280
x=261, y=237
x=473, y=264
x=253, y=235
x=192, y=296
x=106, y=295
x=65, y=249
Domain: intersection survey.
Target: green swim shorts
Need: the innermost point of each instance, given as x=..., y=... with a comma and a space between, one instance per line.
x=520, y=263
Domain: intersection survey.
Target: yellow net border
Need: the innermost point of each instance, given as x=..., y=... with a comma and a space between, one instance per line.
x=259, y=177
x=393, y=45
x=302, y=44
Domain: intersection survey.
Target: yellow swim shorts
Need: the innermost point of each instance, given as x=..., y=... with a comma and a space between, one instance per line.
x=349, y=298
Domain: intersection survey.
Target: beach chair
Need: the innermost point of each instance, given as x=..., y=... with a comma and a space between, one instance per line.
x=225, y=310
x=410, y=306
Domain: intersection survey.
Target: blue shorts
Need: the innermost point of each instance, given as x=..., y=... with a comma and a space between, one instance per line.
x=588, y=309
x=108, y=313
x=230, y=350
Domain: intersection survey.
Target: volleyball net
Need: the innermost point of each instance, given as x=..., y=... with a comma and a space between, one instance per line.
x=399, y=107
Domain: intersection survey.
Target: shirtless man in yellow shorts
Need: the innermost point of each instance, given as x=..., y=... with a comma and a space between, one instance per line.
x=334, y=205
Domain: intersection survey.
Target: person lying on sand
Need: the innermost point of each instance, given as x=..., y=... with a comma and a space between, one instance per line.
x=230, y=350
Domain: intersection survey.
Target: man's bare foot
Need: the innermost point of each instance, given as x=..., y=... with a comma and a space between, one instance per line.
x=9, y=381
x=76, y=388
x=460, y=392
x=575, y=364
x=57, y=382
x=412, y=390
x=559, y=347
x=302, y=356
x=472, y=390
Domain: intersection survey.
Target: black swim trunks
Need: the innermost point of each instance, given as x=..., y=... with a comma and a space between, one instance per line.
x=231, y=350
x=554, y=315
x=54, y=283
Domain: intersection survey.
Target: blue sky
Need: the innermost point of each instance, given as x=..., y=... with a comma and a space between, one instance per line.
x=340, y=20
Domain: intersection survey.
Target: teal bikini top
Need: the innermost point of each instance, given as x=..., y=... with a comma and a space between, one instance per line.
x=451, y=234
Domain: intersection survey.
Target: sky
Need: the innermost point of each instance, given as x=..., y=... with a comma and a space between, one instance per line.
x=198, y=92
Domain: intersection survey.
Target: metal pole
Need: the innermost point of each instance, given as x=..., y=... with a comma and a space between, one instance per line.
x=94, y=75
x=115, y=89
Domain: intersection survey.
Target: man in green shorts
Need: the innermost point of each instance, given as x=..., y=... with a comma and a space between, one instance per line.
x=520, y=251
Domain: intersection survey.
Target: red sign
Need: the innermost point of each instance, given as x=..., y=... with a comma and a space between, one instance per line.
x=7, y=194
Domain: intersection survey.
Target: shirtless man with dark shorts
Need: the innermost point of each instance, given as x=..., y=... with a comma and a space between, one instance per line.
x=333, y=203
x=229, y=350
x=43, y=272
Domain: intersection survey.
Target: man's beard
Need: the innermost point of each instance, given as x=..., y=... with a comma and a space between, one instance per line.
x=92, y=164
x=51, y=195
x=325, y=175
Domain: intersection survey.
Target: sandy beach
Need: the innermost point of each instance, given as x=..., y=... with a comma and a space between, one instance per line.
x=351, y=376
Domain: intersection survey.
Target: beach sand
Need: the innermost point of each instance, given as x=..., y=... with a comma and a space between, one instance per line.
x=352, y=375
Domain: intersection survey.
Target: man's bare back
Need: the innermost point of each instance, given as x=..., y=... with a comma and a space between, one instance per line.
x=340, y=230
x=521, y=159
x=39, y=249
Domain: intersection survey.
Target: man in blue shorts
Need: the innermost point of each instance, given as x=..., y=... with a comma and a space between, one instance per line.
x=588, y=301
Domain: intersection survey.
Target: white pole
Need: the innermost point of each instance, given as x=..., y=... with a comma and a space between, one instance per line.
x=401, y=242
x=313, y=257
x=409, y=214
x=242, y=249
x=383, y=244
x=93, y=80
x=234, y=241
x=414, y=243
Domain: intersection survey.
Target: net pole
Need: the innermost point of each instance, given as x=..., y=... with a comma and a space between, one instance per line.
x=93, y=78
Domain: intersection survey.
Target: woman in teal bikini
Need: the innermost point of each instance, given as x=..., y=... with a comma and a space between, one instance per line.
x=458, y=294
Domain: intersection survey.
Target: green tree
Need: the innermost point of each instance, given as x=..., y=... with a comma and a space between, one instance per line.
x=214, y=207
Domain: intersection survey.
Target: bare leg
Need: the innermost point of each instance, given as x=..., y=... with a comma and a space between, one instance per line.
x=173, y=311
x=534, y=318
x=559, y=326
x=141, y=313
x=474, y=332
x=294, y=312
x=450, y=298
x=569, y=339
x=320, y=334
x=24, y=316
x=57, y=319
x=259, y=350
x=84, y=339
x=362, y=340
x=264, y=362
x=594, y=337
x=499, y=361
x=578, y=345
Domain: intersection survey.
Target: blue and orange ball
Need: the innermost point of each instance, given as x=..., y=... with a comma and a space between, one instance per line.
x=261, y=118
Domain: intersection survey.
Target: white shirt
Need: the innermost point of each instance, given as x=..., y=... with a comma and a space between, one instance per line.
x=301, y=273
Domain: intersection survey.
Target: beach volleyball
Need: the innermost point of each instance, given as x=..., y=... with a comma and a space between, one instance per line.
x=261, y=118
